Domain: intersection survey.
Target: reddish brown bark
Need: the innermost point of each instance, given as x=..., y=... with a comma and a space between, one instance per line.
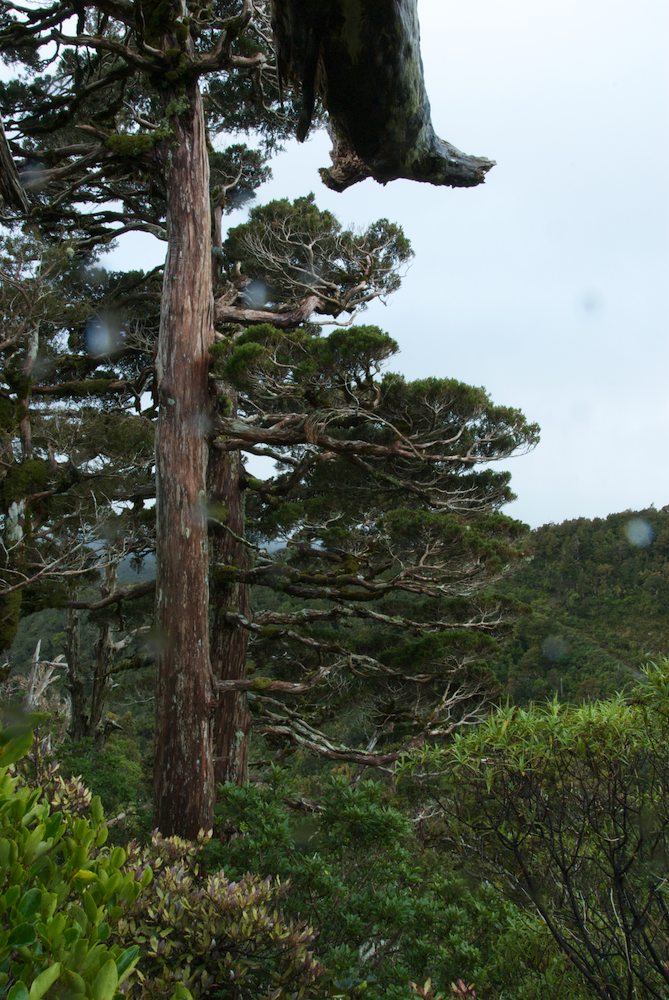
x=184, y=773
x=229, y=644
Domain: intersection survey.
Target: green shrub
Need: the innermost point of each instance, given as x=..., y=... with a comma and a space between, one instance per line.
x=566, y=810
x=204, y=935
x=80, y=919
x=114, y=772
x=61, y=890
x=388, y=911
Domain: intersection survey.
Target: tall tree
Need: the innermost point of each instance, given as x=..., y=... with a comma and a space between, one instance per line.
x=113, y=135
x=117, y=117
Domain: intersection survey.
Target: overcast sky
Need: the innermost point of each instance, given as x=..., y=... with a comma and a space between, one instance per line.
x=548, y=285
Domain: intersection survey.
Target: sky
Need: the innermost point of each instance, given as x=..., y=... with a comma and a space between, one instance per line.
x=548, y=285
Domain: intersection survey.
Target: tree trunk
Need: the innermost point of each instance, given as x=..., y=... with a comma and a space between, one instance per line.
x=229, y=642
x=75, y=683
x=104, y=651
x=25, y=425
x=184, y=773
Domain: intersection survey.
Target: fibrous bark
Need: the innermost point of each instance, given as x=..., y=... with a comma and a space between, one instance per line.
x=229, y=644
x=362, y=58
x=184, y=777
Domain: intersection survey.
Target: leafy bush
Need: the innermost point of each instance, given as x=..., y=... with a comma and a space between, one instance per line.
x=388, y=911
x=203, y=935
x=567, y=809
x=70, y=905
x=115, y=772
x=60, y=889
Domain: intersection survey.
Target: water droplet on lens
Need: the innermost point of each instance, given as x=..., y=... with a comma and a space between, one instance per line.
x=639, y=532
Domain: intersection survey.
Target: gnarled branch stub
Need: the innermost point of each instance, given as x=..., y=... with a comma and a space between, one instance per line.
x=362, y=58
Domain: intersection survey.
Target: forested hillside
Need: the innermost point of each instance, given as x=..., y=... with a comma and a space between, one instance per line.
x=589, y=601
x=596, y=594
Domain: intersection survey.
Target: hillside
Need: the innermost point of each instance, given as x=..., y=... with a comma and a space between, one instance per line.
x=596, y=594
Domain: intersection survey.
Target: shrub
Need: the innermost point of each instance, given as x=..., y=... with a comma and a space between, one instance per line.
x=388, y=910
x=70, y=906
x=60, y=889
x=203, y=935
x=567, y=809
x=115, y=773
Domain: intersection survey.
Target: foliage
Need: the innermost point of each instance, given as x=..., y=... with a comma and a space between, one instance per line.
x=60, y=889
x=391, y=533
x=203, y=934
x=596, y=593
x=292, y=249
x=568, y=807
x=387, y=910
x=76, y=917
x=115, y=771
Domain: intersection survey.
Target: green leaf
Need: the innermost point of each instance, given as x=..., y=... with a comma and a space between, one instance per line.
x=11, y=896
x=14, y=744
x=126, y=960
x=90, y=907
x=181, y=993
x=106, y=982
x=44, y=981
x=75, y=984
x=85, y=876
x=97, y=812
x=30, y=902
x=21, y=936
x=117, y=857
x=19, y=991
x=33, y=842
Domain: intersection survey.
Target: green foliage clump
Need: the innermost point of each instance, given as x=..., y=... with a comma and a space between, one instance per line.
x=23, y=479
x=295, y=249
x=131, y=144
x=115, y=772
x=565, y=807
x=61, y=890
x=311, y=368
x=205, y=935
x=8, y=415
x=388, y=911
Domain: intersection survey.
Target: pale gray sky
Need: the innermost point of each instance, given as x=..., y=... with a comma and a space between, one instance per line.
x=549, y=285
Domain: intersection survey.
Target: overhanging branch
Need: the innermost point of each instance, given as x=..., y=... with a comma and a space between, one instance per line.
x=363, y=60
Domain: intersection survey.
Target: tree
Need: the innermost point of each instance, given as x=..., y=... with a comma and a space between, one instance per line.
x=121, y=107
x=565, y=809
x=385, y=525
x=113, y=135
x=49, y=465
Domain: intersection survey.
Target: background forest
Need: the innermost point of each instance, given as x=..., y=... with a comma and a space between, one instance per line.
x=291, y=707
